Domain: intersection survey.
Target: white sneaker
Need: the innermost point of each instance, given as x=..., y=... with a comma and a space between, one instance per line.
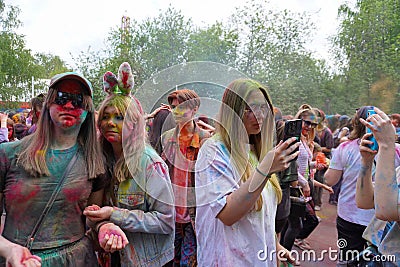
x=317, y=208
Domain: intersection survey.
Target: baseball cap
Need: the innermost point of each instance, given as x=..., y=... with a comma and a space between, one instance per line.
x=72, y=76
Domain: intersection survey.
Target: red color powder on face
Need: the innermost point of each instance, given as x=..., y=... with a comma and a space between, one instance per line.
x=75, y=115
x=112, y=139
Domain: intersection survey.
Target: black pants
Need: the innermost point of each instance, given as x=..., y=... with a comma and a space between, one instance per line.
x=351, y=236
x=291, y=231
x=309, y=221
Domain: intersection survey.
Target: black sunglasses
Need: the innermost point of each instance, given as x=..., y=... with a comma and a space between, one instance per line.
x=63, y=98
x=310, y=124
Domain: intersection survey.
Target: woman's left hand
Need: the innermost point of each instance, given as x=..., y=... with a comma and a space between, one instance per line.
x=367, y=154
x=96, y=214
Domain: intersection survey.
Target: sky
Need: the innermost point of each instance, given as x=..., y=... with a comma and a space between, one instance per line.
x=65, y=28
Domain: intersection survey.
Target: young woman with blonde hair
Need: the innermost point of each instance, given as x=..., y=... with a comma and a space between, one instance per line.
x=139, y=197
x=237, y=191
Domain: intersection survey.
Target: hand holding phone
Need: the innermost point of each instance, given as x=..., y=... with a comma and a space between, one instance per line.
x=373, y=146
x=293, y=129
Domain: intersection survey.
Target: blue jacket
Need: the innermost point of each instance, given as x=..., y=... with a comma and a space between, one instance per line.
x=146, y=213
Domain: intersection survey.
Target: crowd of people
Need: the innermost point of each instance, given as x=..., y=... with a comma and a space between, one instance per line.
x=119, y=187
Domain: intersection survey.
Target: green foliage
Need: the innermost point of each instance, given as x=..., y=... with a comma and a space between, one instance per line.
x=151, y=46
x=17, y=64
x=214, y=44
x=369, y=42
x=92, y=65
x=272, y=50
x=50, y=65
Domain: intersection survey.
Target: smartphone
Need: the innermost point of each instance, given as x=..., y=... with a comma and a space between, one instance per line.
x=373, y=146
x=293, y=129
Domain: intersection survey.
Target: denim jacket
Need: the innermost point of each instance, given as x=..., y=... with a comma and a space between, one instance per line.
x=146, y=213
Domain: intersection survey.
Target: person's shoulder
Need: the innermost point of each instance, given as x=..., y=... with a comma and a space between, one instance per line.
x=10, y=150
x=167, y=135
x=11, y=146
x=203, y=135
x=328, y=131
x=150, y=154
x=348, y=144
x=150, y=159
x=215, y=144
x=212, y=141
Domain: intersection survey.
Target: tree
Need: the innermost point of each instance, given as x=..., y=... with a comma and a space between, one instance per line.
x=50, y=65
x=17, y=65
x=215, y=43
x=369, y=41
x=92, y=65
x=153, y=45
x=15, y=60
x=272, y=50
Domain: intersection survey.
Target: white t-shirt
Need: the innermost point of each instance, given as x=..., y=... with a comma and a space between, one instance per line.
x=248, y=242
x=347, y=158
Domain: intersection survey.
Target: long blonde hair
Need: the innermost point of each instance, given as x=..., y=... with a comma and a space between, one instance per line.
x=133, y=137
x=234, y=136
x=35, y=146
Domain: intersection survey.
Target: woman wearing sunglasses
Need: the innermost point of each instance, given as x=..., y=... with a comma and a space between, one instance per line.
x=63, y=153
x=304, y=163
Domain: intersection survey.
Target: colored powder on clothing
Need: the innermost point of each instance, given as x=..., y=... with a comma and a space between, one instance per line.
x=21, y=193
x=72, y=194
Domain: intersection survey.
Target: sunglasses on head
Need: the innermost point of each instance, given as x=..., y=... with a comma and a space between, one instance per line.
x=310, y=124
x=63, y=98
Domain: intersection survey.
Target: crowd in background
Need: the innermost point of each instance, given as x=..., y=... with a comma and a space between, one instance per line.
x=175, y=188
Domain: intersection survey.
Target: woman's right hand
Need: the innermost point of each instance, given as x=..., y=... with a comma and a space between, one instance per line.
x=20, y=256
x=278, y=159
x=367, y=154
x=306, y=190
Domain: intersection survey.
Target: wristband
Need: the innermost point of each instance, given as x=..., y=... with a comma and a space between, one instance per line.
x=260, y=172
x=257, y=182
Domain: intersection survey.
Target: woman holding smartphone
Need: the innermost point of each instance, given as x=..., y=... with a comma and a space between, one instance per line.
x=237, y=191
